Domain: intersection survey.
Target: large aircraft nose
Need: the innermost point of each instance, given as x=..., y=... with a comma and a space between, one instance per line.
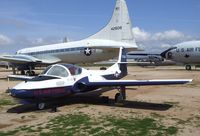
x=163, y=54
x=167, y=54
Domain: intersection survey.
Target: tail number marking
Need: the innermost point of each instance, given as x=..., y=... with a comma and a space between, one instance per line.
x=116, y=28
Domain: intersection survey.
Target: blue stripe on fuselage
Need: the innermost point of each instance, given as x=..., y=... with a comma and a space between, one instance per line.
x=39, y=93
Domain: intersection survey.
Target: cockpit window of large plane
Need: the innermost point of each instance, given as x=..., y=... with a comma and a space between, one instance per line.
x=58, y=71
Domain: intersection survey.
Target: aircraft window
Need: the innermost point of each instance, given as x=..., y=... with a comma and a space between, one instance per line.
x=58, y=71
x=74, y=70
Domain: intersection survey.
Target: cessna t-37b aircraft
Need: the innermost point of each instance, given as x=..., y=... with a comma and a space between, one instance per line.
x=187, y=53
x=61, y=80
x=101, y=46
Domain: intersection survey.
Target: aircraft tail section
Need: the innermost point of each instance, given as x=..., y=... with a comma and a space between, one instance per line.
x=120, y=68
x=122, y=62
x=119, y=28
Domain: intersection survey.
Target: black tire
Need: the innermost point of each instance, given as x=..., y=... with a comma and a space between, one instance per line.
x=28, y=73
x=119, y=98
x=22, y=72
x=188, y=67
x=103, y=68
x=32, y=73
x=40, y=106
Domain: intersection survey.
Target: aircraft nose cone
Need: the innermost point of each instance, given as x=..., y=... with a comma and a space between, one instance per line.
x=19, y=93
x=13, y=92
x=164, y=54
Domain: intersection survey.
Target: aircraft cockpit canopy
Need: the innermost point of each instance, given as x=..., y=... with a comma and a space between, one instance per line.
x=62, y=70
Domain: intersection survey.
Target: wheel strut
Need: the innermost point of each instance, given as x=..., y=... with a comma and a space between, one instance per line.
x=121, y=96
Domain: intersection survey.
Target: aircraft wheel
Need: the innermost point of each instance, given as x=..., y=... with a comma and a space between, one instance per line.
x=119, y=98
x=41, y=106
x=32, y=73
x=28, y=73
x=103, y=68
x=188, y=67
x=22, y=72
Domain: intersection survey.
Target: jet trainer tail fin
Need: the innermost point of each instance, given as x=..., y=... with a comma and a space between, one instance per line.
x=119, y=28
x=121, y=65
x=122, y=62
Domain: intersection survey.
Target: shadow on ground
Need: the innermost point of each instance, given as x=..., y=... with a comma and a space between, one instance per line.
x=92, y=101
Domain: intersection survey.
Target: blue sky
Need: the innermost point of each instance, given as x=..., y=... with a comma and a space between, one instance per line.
x=26, y=23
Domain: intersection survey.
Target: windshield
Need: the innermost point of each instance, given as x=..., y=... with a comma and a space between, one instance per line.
x=57, y=71
x=74, y=70
x=45, y=71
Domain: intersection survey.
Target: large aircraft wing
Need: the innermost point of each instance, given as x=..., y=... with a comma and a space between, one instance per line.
x=22, y=59
x=17, y=59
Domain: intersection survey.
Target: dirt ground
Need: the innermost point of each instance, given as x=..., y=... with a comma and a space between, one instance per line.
x=171, y=105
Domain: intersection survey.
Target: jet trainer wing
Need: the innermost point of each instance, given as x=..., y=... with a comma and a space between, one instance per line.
x=138, y=82
x=87, y=82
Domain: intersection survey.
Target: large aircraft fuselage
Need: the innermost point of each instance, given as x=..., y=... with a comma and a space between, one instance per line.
x=85, y=51
x=186, y=53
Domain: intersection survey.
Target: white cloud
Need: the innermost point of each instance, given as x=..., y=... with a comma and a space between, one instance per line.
x=140, y=35
x=4, y=40
x=169, y=35
x=157, y=42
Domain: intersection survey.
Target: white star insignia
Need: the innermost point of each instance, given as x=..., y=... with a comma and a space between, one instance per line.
x=88, y=52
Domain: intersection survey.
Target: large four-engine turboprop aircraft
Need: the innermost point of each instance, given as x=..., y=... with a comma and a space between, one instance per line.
x=101, y=46
x=187, y=53
x=61, y=80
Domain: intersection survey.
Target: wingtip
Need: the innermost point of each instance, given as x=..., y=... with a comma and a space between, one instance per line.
x=190, y=80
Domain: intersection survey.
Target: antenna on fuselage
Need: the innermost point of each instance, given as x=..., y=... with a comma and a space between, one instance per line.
x=65, y=40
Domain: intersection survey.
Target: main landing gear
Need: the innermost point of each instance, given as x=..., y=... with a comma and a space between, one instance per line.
x=188, y=67
x=28, y=73
x=42, y=106
x=121, y=96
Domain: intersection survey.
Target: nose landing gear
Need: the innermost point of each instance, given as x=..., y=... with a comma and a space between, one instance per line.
x=40, y=106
